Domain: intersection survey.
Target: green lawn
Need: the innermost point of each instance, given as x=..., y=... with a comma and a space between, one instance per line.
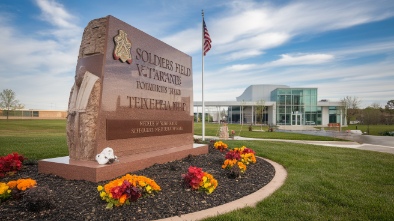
x=35, y=139
x=212, y=129
x=323, y=183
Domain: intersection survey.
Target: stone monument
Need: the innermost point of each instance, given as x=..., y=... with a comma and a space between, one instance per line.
x=223, y=131
x=132, y=93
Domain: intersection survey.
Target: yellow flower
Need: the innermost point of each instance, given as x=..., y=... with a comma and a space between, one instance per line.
x=4, y=188
x=208, y=183
x=100, y=188
x=242, y=166
x=220, y=145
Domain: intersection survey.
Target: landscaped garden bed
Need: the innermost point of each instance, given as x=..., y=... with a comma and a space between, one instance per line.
x=80, y=200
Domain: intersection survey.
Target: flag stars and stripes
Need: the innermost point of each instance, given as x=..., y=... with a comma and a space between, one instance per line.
x=207, y=39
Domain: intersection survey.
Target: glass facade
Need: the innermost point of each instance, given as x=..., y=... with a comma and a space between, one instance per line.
x=296, y=106
x=334, y=114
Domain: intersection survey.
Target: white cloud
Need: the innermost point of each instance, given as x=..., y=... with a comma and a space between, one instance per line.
x=54, y=13
x=41, y=65
x=260, y=26
x=244, y=54
x=303, y=59
x=238, y=68
x=185, y=40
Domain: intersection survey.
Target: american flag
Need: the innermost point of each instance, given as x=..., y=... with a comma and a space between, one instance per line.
x=207, y=39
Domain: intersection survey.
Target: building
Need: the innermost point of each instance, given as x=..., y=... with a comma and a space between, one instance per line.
x=277, y=105
x=33, y=114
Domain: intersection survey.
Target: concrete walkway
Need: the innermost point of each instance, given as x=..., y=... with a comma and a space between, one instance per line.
x=383, y=144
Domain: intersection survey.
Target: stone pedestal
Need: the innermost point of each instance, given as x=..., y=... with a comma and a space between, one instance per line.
x=92, y=171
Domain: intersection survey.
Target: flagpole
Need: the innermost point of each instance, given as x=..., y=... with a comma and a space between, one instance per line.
x=202, y=78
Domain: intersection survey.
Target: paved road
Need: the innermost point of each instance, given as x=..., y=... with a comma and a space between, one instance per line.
x=369, y=139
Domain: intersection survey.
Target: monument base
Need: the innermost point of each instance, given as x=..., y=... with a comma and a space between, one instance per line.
x=94, y=172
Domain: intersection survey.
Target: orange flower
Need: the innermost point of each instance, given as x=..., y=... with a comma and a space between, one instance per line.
x=123, y=199
x=22, y=184
x=12, y=184
x=228, y=163
x=115, y=190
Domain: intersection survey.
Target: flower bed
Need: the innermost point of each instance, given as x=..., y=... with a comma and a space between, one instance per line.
x=80, y=199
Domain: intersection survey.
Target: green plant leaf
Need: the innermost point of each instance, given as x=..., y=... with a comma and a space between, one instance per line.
x=110, y=205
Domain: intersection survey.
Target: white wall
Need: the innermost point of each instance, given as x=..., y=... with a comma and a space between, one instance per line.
x=325, y=116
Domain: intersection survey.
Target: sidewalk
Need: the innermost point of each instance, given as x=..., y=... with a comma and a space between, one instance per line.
x=379, y=144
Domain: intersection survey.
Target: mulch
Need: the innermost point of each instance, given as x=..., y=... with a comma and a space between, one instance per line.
x=79, y=200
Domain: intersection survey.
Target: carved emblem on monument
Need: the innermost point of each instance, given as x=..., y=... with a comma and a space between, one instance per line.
x=122, y=47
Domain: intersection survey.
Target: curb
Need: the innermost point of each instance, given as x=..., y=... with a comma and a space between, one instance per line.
x=246, y=201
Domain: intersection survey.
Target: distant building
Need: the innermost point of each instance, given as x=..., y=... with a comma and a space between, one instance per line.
x=33, y=114
x=281, y=105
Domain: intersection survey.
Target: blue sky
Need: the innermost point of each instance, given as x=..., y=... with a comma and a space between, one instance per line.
x=342, y=47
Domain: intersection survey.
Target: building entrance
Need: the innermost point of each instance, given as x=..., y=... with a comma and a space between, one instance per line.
x=296, y=118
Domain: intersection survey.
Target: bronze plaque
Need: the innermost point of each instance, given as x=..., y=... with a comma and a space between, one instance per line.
x=123, y=129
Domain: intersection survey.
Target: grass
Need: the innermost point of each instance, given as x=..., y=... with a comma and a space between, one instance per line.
x=212, y=129
x=35, y=139
x=323, y=183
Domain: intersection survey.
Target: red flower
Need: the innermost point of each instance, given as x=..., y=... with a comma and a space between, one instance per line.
x=193, y=177
x=233, y=155
x=248, y=150
x=10, y=164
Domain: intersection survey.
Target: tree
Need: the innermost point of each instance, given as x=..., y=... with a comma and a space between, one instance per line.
x=390, y=105
x=375, y=106
x=223, y=115
x=352, y=106
x=389, y=112
x=370, y=116
x=9, y=102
